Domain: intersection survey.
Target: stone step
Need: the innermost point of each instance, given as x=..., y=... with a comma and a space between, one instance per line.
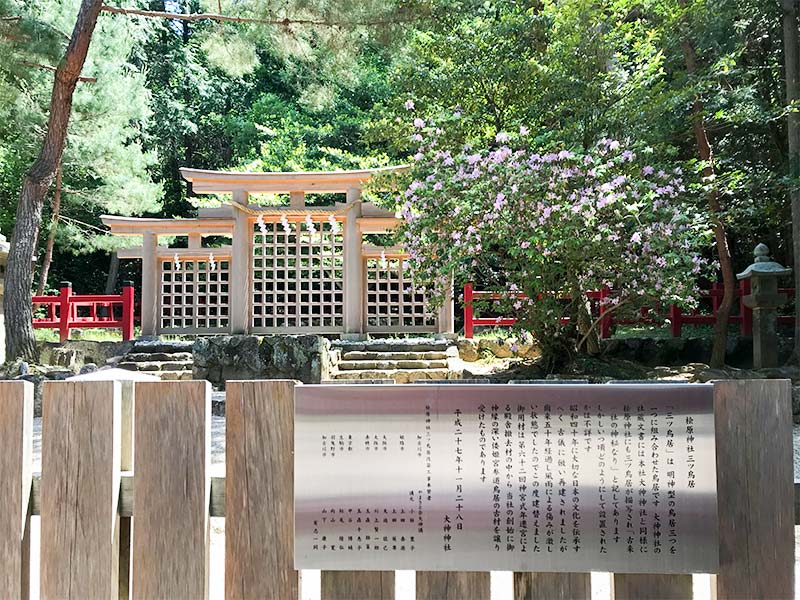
x=392, y=365
x=399, y=375
x=394, y=345
x=157, y=356
x=175, y=375
x=358, y=355
x=167, y=365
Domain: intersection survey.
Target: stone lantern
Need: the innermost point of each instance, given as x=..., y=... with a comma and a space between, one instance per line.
x=4, y=247
x=764, y=299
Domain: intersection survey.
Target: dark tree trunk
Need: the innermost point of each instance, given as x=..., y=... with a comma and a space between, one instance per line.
x=791, y=61
x=51, y=238
x=19, y=274
x=720, y=236
x=113, y=273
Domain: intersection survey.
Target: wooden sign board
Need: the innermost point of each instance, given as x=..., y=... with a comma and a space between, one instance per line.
x=545, y=478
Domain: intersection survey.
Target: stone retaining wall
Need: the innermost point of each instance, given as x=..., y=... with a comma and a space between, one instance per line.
x=305, y=358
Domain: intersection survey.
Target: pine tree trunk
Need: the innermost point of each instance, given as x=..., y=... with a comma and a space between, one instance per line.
x=19, y=274
x=720, y=236
x=51, y=238
x=791, y=61
x=113, y=273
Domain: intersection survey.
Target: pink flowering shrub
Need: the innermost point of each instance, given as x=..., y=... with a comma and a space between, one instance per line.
x=552, y=226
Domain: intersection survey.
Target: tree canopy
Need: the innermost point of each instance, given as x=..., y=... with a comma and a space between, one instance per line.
x=325, y=85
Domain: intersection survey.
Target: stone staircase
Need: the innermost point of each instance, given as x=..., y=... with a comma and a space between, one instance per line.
x=168, y=360
x=403, y=360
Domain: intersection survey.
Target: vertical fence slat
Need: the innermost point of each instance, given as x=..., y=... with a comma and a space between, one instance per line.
x=566, y=586
x=171, y=490
x=652, y=587
x=364, y=585
x=16, y=424
x=80, y=489
x=125, y=464
x=259, y=494
x=755, y=491
x=453, y=585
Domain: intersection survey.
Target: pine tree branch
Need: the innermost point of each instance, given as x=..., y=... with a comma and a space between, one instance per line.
x=82, y=78
x=285, y=22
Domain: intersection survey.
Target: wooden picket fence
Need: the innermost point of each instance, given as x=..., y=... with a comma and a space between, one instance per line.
x=111, y=451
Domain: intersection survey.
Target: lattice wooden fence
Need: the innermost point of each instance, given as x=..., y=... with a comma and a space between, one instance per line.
x=297, y=276
x=392, y=301
x=195, y=293
x=87, y=494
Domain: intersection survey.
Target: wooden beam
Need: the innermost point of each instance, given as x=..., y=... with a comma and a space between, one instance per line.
x=378, y=224
x=222, y=182
x=755, y=492
x=16, y=433
x=259, y=466
x=80, y=466
x=138, y=226
x=216, y=506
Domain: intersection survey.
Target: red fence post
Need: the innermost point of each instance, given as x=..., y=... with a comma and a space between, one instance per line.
x=65, y=309
x=127, y=310
x=675, y=320
x=605, y=317
x=468, y=313
x=745, y=311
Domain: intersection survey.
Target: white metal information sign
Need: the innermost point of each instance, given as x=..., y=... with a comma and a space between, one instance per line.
x=546, y=478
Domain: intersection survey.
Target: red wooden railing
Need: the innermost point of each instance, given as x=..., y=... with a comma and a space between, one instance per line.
x=678, y=319
x=68, y=310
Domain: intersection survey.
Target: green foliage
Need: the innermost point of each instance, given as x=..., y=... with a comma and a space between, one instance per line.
x=105, y=168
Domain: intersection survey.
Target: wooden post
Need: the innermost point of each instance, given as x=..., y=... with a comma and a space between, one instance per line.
x=171, y=490
x=80, y=480
x=446, y=317
x=755, y=491
x=353, y=265
x=675, y=323
x=65, y=311
x=151, y=290
x=297, y=199
x=364, y=585
x=469, y=328
x=553, y=586
x=453, y=585
x=259, y=494
x=127, y=310
x=240, y=294
x=16, y=431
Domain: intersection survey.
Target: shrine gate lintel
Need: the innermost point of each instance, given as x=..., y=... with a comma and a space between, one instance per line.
x=287, y=269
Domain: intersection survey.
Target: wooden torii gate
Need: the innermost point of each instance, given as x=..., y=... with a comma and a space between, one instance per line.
x=287, y=269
